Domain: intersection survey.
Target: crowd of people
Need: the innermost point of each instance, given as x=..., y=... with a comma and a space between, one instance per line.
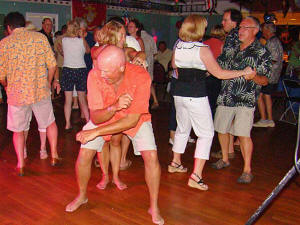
x=215, y=87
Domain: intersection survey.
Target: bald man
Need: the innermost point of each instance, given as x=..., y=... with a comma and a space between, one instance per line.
x=118, y=96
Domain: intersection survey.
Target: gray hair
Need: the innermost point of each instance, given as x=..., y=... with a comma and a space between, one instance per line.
x=255, y=20
x=270, y=26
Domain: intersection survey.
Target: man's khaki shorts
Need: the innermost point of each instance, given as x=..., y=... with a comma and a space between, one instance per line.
x=19, y=117
x=143, y=140
x=237, y=121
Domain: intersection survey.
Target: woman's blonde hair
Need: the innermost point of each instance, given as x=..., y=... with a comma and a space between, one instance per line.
x=109, y=33
x=73, y=28
x=193, y=28
x=218, y=32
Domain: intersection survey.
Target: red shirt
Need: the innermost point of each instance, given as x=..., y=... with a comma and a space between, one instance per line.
x=215, y=46
x=136, y=83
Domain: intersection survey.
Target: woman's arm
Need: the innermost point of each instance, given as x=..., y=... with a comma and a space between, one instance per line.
x=213, y=67
x=140, y=40
x=86, y=46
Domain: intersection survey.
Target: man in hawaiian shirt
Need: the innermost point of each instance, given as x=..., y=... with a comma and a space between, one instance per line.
x=274, y=46
x=237, y=98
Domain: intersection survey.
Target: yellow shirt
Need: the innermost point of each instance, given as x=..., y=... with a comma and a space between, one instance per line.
x=164, y=58
x=59, y=57
x=24, y=59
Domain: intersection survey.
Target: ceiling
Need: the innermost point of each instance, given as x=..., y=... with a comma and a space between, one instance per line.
x=270, y=5
x=203, y=5
x=163, y=5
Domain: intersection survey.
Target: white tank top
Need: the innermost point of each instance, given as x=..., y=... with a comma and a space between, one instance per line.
x=74, y=51
x=187, y=55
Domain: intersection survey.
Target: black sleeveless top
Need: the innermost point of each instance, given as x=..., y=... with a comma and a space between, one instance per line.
x=190, y=83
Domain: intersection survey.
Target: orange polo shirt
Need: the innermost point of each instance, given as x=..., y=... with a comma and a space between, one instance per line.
x=136, y=83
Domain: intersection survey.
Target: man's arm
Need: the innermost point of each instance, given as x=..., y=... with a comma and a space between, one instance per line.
x=116, y=127
x=102, y=115
x=56, y=84
x=51, y=74
x=260, y=80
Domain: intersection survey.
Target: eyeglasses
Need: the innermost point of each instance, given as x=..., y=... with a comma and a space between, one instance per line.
x=242, y=27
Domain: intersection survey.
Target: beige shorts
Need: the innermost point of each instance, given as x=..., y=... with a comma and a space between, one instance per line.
x=143, y=140
x=19, y=117
x=237, y=121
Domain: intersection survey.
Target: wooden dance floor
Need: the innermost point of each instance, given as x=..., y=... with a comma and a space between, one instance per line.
x=40, y=197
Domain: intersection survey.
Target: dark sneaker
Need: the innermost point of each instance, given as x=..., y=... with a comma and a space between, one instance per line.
x=220, y=164
x=245, y=178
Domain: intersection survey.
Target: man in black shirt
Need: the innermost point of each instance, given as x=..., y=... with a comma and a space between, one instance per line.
x=47, y=29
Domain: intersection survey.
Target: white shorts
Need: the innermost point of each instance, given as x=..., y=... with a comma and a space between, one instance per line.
x=143, y=140
x=19, y=117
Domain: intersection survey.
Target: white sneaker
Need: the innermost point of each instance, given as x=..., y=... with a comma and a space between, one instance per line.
x=43, y=154
x=264, y=123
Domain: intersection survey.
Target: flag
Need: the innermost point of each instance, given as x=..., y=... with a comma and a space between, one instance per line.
x=94, y=13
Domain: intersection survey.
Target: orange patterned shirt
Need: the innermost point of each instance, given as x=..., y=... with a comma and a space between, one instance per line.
x=24, y=59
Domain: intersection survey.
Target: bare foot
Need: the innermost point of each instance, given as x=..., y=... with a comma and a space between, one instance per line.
x=125, y=165
x=76, y=203
x=103, y=183
x=156, y=217
x=120, y=185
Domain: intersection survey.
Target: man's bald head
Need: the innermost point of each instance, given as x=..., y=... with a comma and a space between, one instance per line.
x=112, y=55
x=111, y=63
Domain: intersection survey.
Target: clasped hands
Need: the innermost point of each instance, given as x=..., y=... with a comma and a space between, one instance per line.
x=249, y=73
x=123, y=102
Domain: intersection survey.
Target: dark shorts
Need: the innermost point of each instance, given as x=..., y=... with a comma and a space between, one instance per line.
x=269, y=89
x=73, y=77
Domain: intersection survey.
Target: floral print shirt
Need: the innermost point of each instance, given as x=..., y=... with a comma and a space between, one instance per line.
x=24, y=59
x=239, y=91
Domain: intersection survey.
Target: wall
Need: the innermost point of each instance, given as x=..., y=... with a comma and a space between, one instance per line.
x=162, y=26
x=63, y=11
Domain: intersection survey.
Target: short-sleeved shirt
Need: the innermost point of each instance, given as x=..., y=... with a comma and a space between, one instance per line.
x=230, y=48
x=275, y=48
x=215, y=46
x=238, y=91
x=59, y=57
x=150, y=49
x=24, y=59
x=136, y=83
x=164, y=57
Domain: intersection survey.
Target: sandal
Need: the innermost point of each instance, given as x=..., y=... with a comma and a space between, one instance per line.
x=177, y=168
x=245, y=178
x=197, y=184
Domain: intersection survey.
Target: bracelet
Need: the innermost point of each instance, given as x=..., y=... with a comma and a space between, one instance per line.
x=57, y=80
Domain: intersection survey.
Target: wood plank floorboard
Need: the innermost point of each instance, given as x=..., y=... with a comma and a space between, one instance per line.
x=40, y=197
